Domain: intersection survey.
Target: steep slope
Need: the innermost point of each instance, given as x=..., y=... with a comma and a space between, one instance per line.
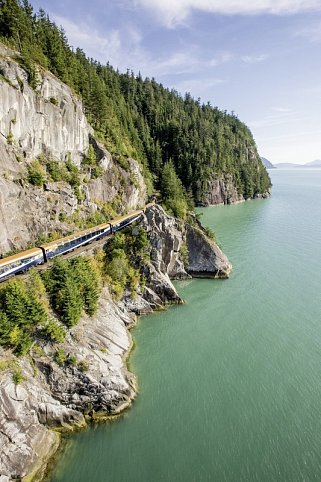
x=62, y=394
x=45, y=133
x=54, y=178
x=213, y=153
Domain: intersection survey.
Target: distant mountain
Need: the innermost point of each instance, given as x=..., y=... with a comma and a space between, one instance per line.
x=266, y=163
x=316, y=163
x=289, y=165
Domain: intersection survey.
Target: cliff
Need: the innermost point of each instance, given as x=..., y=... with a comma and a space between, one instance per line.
x=50, y=124
x=40, y=396
x=58, y=396
x=220, y=191
x=169, y=237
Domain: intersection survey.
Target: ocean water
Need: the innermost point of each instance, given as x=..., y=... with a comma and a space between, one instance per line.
x=230, y=382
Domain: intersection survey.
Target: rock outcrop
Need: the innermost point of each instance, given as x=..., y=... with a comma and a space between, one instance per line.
x=221, y=191
x=168, y=238
x=51, y=396
x=26, y=412
x=205, y=258
x=46, y=120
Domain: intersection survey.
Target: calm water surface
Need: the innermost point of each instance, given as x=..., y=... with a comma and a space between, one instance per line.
x=230, y=383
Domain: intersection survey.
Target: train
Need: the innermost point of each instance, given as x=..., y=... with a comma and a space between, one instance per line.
x=21, y=262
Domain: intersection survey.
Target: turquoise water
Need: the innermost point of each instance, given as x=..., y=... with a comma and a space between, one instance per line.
x=230, y=383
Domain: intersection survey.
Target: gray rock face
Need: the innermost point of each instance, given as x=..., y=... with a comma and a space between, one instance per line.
x=221, y=191
x=50, y=122
x=26, y=409
x=205, y=257
x=167, y=238
x=102, y=343
x=53, y=396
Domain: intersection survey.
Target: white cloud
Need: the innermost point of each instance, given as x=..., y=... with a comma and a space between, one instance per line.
x=254, y=59
x=278, y=118
x=123, y=49
x=175, y=12
x=281, y=109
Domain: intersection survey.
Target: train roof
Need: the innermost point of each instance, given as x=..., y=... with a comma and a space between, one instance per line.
x=126, y=216
x=83, y=232
x=16, y=257
x=76, y=235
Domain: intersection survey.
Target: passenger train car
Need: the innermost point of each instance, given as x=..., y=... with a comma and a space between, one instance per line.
x=21, y=262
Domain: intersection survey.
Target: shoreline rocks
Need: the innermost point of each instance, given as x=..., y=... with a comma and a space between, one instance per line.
x=52, y=397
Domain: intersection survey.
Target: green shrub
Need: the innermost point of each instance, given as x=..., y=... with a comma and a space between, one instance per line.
x=36, y=174
x=176, y=207
x=30, y=67
x=10, y=139
x=60, y=357
x=126, y=255
x=83, y=366
x=53, y=100
x=57, y=171
x=96, y=172
x=123, y=162
x=209, y=233
x=74, y=178
x=184, y=254
x=54, y=331
x=79, y=193
x=20, y=314
x=17, y=376
x=90, y=159
x=72, y=360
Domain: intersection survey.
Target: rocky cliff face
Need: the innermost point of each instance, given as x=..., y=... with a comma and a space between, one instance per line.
x=170, y=237
x=221, y=191
x=49, y=119
x=54, y=396
x=50, y=122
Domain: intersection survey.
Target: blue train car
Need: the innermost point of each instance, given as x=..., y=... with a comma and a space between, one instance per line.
x=69, y=243
x=32, y=257
x=124, y=221
x=20, y=262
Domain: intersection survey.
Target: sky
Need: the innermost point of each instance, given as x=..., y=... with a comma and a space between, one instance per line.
x=258, y=58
